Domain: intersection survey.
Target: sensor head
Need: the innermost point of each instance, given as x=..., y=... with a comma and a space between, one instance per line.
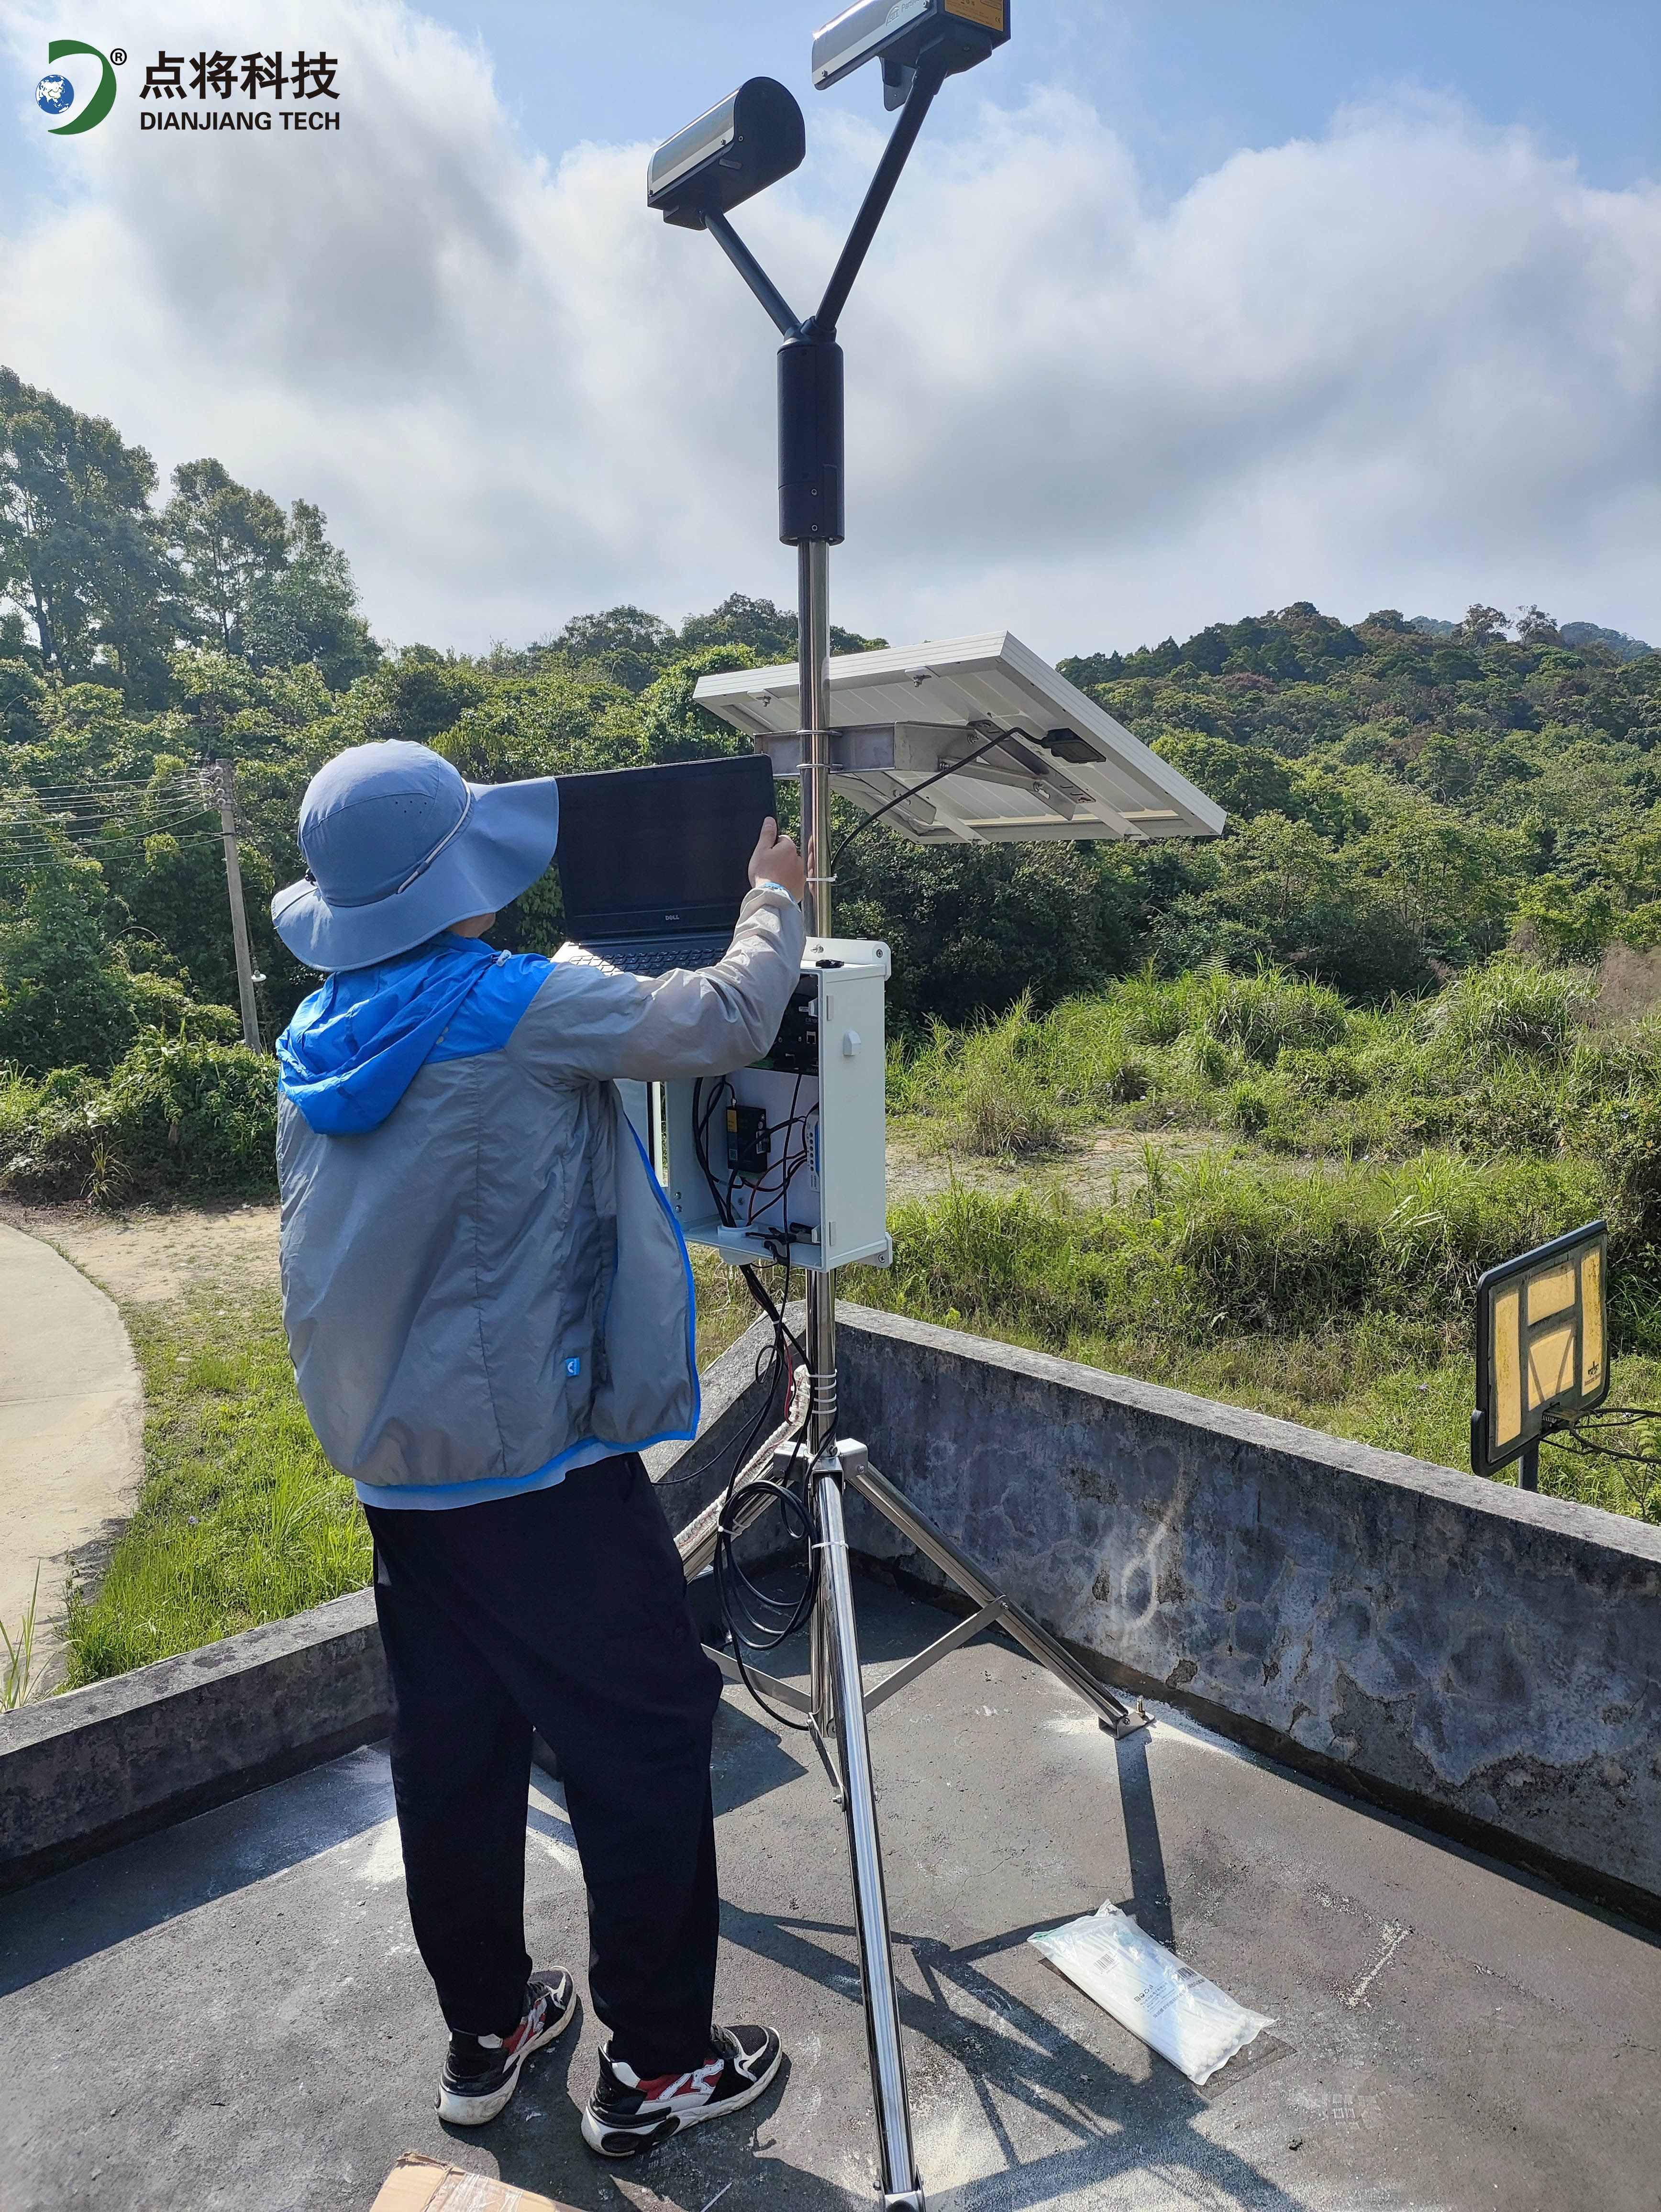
x=954, y=34
x=744, y=142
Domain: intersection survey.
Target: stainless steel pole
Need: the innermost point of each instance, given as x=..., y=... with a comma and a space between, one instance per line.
x=838, y=1690
x=225, y=792
x=813, y=667
x=901, y=2186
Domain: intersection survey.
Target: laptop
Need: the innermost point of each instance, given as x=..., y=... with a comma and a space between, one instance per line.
x=654, y=862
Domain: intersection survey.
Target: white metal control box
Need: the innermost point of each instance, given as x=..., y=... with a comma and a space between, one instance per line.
x=788, y=1158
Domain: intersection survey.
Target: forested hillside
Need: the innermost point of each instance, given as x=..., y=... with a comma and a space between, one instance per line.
x=1407, y=798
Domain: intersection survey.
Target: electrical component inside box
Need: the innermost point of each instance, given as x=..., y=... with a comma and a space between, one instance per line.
x=749, y=1139
x=796, y=1047
x=784, y=1158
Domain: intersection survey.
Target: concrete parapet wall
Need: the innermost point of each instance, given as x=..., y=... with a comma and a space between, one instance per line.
x=1480, y=1660
x=1470, y=1654
x=83, y=1772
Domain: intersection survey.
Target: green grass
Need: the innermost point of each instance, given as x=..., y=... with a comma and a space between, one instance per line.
x=240, y=1518
x=1511, y=1058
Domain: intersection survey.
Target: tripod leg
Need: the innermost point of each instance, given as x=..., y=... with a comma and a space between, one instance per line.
x=838, y=1644
x=897, y=1509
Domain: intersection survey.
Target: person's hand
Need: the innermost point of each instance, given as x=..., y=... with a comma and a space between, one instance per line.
x=775, y=861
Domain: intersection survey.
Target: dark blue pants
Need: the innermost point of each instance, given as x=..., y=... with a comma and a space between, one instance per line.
x=564, y=1611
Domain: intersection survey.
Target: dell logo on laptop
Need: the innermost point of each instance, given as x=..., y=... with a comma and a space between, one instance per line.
x=672, y=917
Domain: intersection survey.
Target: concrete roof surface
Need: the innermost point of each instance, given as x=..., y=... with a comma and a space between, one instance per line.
x=232, y=2014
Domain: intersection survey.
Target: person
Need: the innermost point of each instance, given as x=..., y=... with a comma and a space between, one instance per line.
x=490, y=1310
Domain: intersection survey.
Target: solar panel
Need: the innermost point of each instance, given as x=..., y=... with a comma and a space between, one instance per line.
x=1047, y=761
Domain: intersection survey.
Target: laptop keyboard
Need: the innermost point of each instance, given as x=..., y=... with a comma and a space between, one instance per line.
x=659, y=955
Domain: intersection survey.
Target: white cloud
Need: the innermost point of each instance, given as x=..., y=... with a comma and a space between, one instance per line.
x=1414, y=363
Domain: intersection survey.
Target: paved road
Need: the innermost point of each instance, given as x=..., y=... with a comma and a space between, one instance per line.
x=71, y=1425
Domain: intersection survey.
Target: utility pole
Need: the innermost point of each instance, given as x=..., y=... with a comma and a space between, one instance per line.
x=224, y=791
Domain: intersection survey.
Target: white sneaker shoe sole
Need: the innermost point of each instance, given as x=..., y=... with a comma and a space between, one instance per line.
x=639, y=2135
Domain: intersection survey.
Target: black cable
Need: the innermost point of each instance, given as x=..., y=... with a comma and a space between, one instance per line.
x=1571, y=1433
x=756, y=1620
x=899, y=799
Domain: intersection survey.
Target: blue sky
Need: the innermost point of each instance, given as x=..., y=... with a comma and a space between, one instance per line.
x=1186, y=83
x=1185, y=309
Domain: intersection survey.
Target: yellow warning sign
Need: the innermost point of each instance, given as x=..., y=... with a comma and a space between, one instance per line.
x=990, y=15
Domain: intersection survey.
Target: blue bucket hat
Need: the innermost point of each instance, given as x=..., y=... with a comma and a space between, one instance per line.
x=398, y=846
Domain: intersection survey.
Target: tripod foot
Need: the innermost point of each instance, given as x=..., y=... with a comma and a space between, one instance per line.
x=910, y=2201
x=1128, y=1723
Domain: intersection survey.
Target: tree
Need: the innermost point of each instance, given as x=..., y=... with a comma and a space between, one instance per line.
x=227, y=543
x=65, y=1001
x=1243, y=779
x=1481, y=626
x=626, y=642
x=81, y=557
x=974, y=926
x=23, y=702
x=306, y=609
x=764, y=630
x=769, y=632
x=673, y=726
x=418, y=696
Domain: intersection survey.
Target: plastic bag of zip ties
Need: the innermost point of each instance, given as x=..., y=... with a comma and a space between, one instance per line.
x=1185, y=2018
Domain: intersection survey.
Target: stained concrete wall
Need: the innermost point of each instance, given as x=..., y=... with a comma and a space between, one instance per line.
x=83, y=1772
x=1478, y=1657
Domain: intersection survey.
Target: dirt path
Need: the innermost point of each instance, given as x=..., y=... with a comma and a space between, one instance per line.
x=1097, y=1170
x=150, y=1257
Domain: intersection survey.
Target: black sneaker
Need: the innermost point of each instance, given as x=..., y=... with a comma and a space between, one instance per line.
x=482, y=2072
x=626, y=2115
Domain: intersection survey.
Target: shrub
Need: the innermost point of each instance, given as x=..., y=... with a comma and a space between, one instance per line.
x=1336, y=1073
x=1248, y=1108
x=1512, y=1006
x=174, y=1118
x=1007, y=1101
x=1267, y=1013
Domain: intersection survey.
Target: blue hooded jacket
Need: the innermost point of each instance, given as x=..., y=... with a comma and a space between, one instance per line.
x=357, y=1043
x=483, y=1282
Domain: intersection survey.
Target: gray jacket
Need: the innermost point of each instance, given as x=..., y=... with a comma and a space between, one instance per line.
x=490, y=1280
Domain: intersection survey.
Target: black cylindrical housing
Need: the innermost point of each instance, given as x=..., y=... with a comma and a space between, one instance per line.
x=810, y=443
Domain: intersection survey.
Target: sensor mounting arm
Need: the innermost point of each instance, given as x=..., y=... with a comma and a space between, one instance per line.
x=927, y=82
x=753, y=274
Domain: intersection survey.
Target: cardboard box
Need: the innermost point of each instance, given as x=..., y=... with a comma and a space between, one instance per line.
x=427, y=2185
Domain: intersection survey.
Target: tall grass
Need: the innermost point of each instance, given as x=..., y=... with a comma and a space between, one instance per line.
x=17, y=1679
x=1342, y=1300
x=1221, y=1246
x=1511, y=1058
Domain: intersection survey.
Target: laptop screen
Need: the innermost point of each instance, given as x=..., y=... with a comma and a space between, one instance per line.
x=643, y=851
